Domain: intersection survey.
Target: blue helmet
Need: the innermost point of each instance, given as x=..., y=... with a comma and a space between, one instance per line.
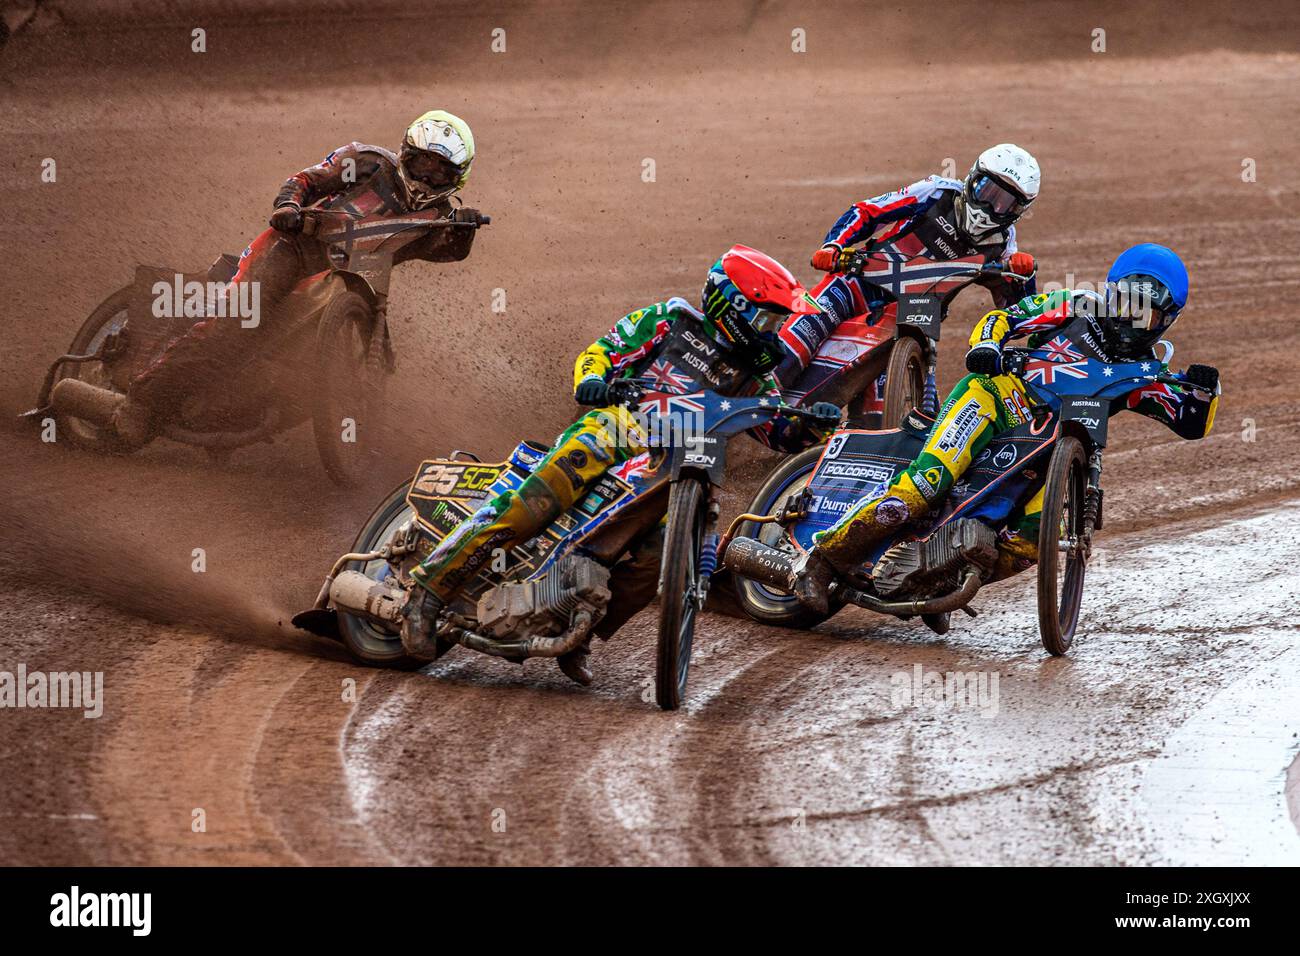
x=1148, y=289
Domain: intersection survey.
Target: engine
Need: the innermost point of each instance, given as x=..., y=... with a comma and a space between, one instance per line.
x=546, y=605
x=933, y=566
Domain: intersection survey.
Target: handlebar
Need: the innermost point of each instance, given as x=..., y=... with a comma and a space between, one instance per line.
x=312, y=220
x=853, y=261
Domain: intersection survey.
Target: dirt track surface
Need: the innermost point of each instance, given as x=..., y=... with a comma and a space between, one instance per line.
x=1164, y=737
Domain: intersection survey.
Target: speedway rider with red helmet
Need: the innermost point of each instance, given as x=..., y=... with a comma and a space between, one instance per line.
x=728, y=345
x=436, y=154
x=938, y=218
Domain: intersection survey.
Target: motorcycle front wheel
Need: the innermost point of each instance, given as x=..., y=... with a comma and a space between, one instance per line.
x=1061, y=565
x=679, y=594
x=348, y=406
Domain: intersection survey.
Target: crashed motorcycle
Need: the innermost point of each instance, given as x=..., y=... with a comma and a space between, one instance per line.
x=325, y=358
x=543, y=598
x=937, y=567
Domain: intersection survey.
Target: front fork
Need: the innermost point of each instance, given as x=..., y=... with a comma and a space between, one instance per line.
x=708, y=561
x=1091, y=503
x=930, y=394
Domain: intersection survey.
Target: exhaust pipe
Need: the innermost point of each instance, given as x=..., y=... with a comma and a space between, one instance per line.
x=85, y=401
x=752, y=559
x=357, y=594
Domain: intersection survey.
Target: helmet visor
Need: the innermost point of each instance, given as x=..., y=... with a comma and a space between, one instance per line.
x=1143, y=309
x=995, y=196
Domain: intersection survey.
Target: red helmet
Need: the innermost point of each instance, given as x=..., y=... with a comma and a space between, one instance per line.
x=748, y=293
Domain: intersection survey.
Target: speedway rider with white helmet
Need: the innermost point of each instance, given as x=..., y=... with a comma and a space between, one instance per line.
x=938, y=218
x=434, y=162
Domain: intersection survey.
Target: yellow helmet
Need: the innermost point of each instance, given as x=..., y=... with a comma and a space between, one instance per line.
x=440, y=134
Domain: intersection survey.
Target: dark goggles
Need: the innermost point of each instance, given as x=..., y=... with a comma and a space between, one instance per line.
x=994, y=196
x=1145, y=303
x=429, y=168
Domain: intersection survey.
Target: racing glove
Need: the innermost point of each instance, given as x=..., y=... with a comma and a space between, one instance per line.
x=1023, y=265
x=466, y=214
x=287, y=218
x=592, y=391
x=827, y=258
x=1202, y=376
x=985, y=359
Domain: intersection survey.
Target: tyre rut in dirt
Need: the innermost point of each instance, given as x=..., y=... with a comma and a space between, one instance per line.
x=677, y=604
x=349, y=353
x=904, y=381
x=108, y=316
x=367, y=643
x=760, y=602
x=1060, y=594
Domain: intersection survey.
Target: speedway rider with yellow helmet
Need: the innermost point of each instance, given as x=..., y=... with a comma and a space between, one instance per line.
x=432, y=165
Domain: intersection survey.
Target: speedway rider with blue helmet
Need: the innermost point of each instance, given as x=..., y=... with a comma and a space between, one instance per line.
x=1146, y=290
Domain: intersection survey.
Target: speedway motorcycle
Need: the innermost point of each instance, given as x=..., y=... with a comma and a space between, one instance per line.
x=937, y=568
x=330, y=337
x=543, y=599
x=880, y=364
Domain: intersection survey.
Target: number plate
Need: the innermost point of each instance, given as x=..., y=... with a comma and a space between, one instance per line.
x=1092, y=413
x=922, y=312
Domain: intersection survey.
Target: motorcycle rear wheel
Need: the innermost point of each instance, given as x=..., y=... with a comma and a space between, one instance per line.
x=350, y=403
x=760, y=602
x=107, y=317
x=1060, y=590
x=683, y=540
x=367, y=643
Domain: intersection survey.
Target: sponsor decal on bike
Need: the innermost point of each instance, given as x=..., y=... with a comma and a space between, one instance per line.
x=1005, y=457
x=866, y=470
x=836, y=445
x=454, y=480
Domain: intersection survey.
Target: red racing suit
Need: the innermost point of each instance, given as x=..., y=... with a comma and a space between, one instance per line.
x=359, y=179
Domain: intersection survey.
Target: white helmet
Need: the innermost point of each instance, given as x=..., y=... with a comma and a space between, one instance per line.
x=441, y=136
x=998, y=190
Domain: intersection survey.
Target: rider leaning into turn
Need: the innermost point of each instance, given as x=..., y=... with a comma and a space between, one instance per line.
x=436, y=154
x=728, y=345
x=937, y=218
x=1147, y=288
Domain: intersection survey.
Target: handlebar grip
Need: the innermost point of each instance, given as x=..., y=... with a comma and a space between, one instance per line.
x=309, y=225
x=484, y=220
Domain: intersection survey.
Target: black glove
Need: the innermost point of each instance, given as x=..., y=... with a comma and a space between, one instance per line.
x=985, y=359
x=1202, y=376
x=466, y=214
x=287, y=219
x=826, y=414
x=593, y=392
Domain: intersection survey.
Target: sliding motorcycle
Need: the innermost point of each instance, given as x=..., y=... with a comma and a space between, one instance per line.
x=543, y=598
x=935, y=568
x=326, y=357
